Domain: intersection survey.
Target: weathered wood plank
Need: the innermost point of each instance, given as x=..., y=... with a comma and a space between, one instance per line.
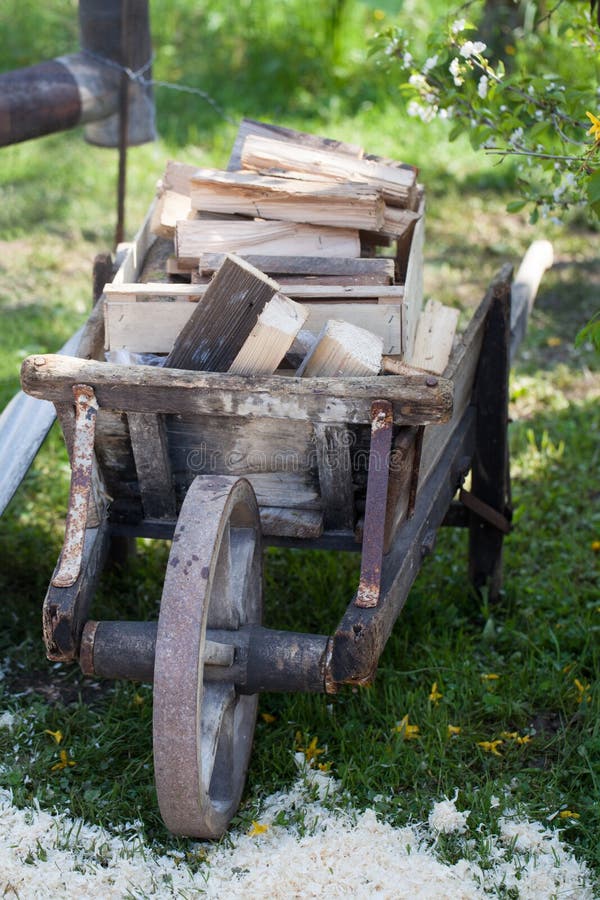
x=151, y=454
x=271, y=338
x=416, y=399
x=231, y=305
x=397, y=185
x=333, y=445
x=381, y=269
x=303, y=524
x=152, y=327
x=383, y=293
x=335, y=204
x=197, y=236
x=413, y=286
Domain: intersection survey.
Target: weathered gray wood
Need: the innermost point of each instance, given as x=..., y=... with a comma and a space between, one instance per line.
x=302, y=524
x=397, y=185
x=218, y=327
x=401, y=470
x=153, y=326
x=137, y=291
x=151, y=454
x=416, y=399
x=197, y=236
x=334, y=461
x=335, y=204
x=279, y=133
x=382, y=270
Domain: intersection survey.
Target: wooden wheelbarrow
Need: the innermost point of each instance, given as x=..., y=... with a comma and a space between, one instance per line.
x=222, y=464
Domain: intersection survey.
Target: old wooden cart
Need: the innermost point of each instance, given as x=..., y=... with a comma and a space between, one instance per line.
x=222, y=463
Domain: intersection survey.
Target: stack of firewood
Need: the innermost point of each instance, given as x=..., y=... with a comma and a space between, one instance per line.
x=303, y=257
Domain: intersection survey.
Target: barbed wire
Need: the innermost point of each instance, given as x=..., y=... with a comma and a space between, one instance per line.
x=138, y=77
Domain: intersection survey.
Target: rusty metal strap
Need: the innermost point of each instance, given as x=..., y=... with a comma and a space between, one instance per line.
x=369, y=585
x=86, y=409
x=485, y=511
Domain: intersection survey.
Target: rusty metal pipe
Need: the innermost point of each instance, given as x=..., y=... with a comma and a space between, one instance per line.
x=83, y=88
x=264, y=659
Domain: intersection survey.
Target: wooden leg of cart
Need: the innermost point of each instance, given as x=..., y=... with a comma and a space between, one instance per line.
x=489, y=501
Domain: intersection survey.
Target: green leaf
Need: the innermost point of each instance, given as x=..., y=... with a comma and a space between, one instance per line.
x=593, y=187
x=515, y=206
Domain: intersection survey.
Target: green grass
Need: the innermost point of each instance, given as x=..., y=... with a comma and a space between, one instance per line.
x=57, y=211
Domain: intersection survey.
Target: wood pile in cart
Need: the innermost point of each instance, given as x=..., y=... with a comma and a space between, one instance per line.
x=303, y=258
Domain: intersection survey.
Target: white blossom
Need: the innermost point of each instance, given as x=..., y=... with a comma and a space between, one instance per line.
x=516, y=137
x=472, y=48
x=418, y=111
x=482, y=87
x=458, y=25
x=455, y=70
x=407, y=60
x=430, y=63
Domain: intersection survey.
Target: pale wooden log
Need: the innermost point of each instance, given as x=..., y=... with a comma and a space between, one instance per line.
x=177, y=177
x=398, y=185
x=153, y=326
x=416, y=400
x=434, y=337
x=279, y=133
x=336, y=204
x=151, y=454
x=538, y=258
x=333, y=443
x=195, y=237
x=397, y=221
x=170, y=208
x=342, y=349
x=413, y=285
x=307, y=291
x=181, y=267
x=270, y=339
x=218, y=327
x=381, y=271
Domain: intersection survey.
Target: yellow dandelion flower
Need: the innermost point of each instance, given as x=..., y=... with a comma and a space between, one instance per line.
x=596, y=546
x=509, y=735
x=490, y=746
x=524, y=739
x=409, y=732
x=453, y=729
x=583, y=691
x=434, y=694
x=64, y=762
x=257, y=828
x=490, y=676
x=57, y=735
x=268, y=718
x=312, y=751
x=595, y=129
x=568, y=814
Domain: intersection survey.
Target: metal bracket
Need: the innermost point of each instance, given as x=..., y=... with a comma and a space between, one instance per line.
x=369, y=585
x=86, y=409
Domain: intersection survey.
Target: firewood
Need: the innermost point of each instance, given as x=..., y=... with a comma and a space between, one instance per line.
x=398, y=185
x=195, y=237
x=435, y=334
x=219, y=325
x=170, y=208
x=364, y=271
x=177, y=177
x=279, y=133
x=336, y=204
x=343, y=349
x=271, y=338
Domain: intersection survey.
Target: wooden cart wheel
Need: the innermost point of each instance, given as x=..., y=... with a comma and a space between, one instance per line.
x=203, y=730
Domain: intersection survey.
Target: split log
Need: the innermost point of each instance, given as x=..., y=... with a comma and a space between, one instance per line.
x=170, y=208
x=435, y=334
x=335, y=204
x=219, y=326
x=343, y=349
x=193, y=238
x=398, y=185
x=279, y=133
x=271, y=338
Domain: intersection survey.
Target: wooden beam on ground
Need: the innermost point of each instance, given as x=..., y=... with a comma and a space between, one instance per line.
x=196, y=237
x=232, y=303
x=397, y=185
x=342, y=349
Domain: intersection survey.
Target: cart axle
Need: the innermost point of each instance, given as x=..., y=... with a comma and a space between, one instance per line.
x=252, y=658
